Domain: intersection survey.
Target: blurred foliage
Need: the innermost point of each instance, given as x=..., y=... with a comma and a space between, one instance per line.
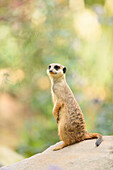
x=38, y=135
x=88, y=2
x=34, y=34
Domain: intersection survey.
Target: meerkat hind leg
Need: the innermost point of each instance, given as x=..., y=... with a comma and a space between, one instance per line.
x=60, y=146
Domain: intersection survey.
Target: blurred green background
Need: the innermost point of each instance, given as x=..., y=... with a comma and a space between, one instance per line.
x=35, y=33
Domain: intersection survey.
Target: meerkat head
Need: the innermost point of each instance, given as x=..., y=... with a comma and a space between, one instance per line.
x=56, y=70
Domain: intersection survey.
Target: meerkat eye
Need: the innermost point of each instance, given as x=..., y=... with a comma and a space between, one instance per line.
x=49, y=67
x=56, y=67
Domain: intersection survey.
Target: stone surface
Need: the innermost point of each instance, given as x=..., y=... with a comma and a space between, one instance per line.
x=80, y=156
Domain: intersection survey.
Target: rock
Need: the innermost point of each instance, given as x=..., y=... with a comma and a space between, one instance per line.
x=83, y=155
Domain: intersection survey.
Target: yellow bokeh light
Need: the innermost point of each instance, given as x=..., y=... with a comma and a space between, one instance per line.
x=95, y=92
x=17, y=76
x=38, y=17
x=87, y=26
x=109, y=6
x=76, y=5
x=43, y=83
x=8, y=76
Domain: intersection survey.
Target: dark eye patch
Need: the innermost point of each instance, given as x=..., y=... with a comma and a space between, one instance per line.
x=56, y=67
x=49, y=67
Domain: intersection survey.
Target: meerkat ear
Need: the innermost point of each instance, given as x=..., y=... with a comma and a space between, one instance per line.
x=64, y=70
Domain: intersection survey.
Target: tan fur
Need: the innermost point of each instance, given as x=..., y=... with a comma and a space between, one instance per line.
x=71, y=123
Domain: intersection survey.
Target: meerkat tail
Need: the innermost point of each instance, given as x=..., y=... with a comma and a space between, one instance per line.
x=93, y=136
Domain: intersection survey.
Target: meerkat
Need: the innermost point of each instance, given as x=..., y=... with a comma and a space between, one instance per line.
x=66, y=110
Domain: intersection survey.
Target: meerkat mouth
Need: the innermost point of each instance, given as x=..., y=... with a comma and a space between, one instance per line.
x=52, y=73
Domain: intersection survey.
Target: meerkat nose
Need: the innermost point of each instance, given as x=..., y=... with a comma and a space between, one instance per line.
x=50, y=71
